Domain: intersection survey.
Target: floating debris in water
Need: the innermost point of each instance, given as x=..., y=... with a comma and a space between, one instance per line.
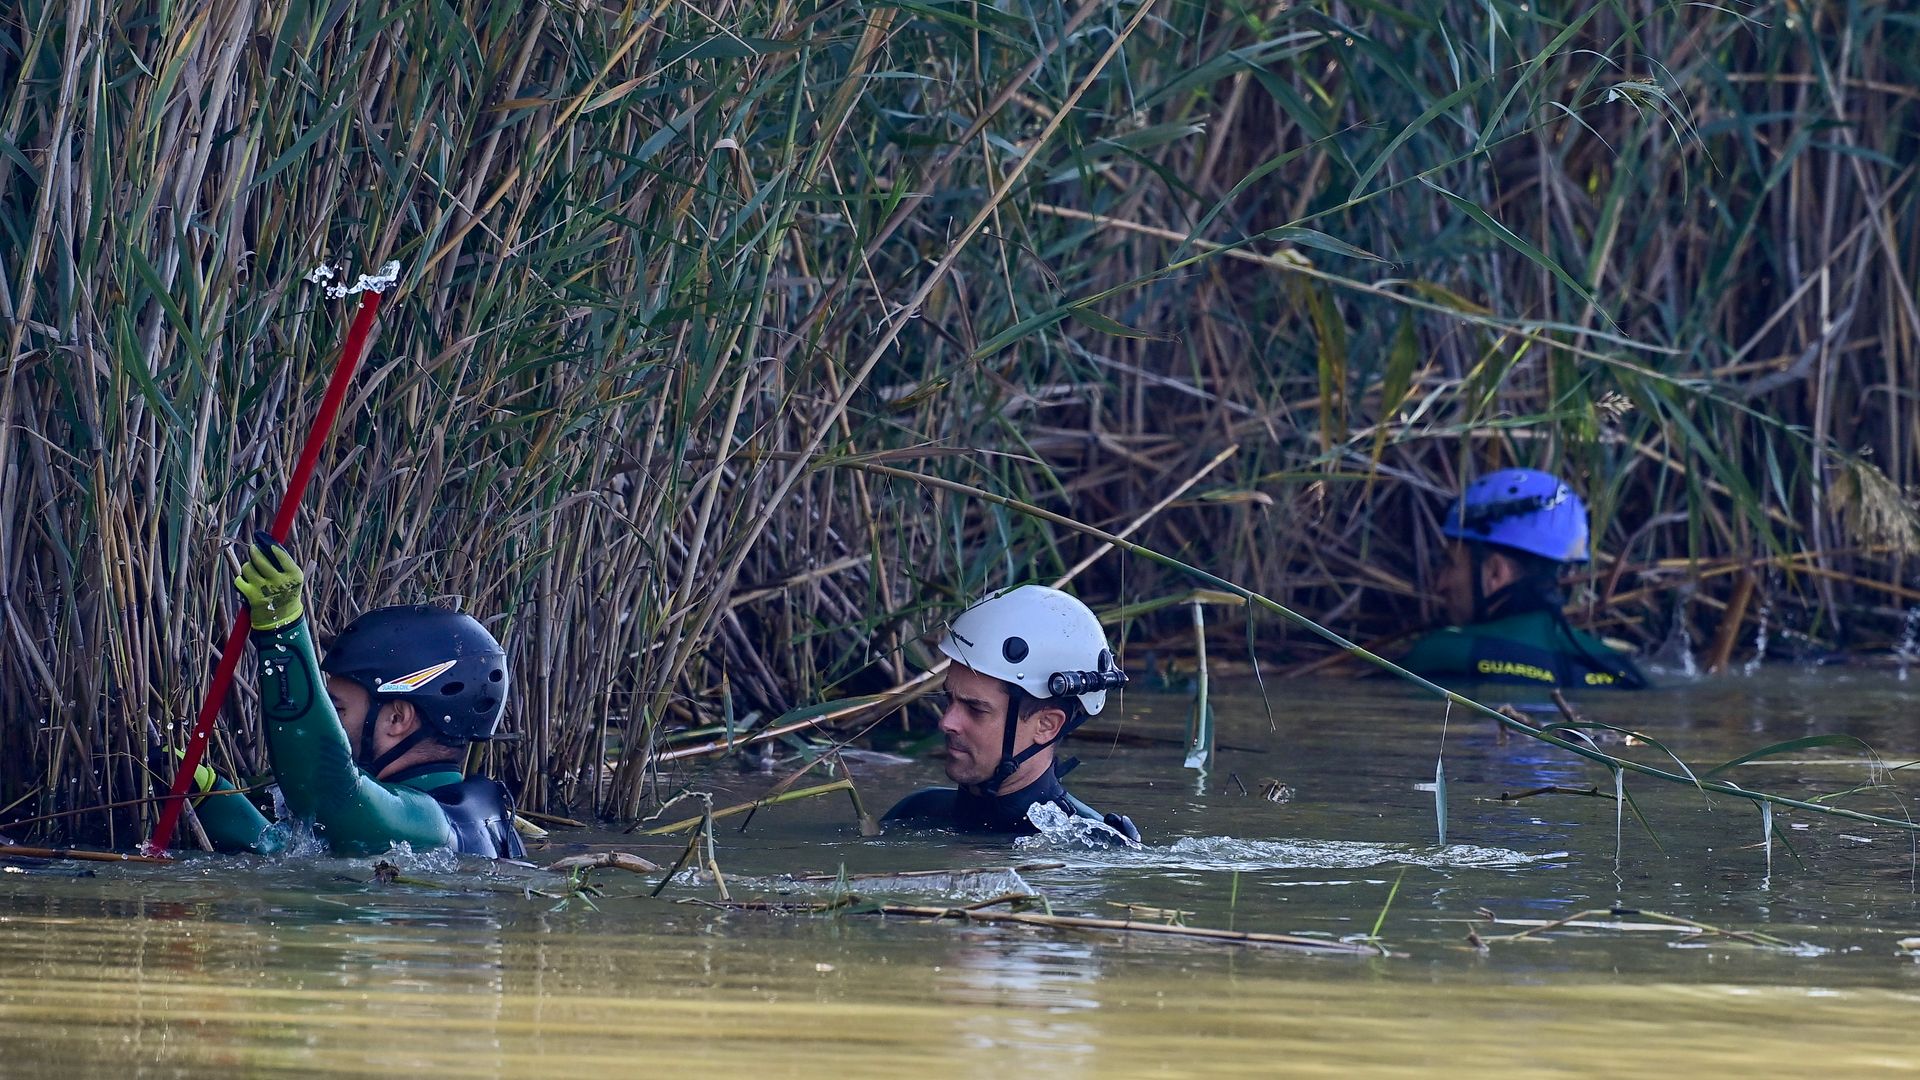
x=1694, y=934
x=1016, y=915
x=1275, y=792
x=967, y=883
x=1170, y=916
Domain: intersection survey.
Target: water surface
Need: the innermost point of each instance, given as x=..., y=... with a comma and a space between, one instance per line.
x=301, y=964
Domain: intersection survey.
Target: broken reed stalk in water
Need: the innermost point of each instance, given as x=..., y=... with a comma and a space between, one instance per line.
x=868, y=825
x=1200, y=732
x=960, y=871
x=842, y=784
x=1534, y=928
x=605, y=860
x=1505, y=720
x=13, y=851
x=981, y=913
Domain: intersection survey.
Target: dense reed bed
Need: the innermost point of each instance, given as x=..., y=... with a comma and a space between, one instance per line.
x=662, y=263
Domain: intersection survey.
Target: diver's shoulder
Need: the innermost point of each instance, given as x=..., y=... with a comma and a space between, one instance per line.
x=933, y=805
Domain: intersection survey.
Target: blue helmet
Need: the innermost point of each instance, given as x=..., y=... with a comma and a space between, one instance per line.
x=1522, y=509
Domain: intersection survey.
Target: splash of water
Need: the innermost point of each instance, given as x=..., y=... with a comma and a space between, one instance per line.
x=1766, y=829
x=430, y=861
x=1752, y=666
x=1061, y=829
x=1908, y=649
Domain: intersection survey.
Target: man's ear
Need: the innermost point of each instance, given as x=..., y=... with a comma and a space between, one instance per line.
x=1047, y=723
x=1497, y=571
x=400, y=719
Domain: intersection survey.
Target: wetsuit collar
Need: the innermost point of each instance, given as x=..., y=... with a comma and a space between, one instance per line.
x=1008, y=811
x=426, y=776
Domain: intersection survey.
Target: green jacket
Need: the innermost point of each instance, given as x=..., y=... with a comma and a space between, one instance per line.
x=1530, y=649
x=319, y=780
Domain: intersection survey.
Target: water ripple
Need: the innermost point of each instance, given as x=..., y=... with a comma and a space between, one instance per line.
x=1231, y=853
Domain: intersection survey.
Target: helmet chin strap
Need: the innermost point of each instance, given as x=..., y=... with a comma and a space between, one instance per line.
x=1010, y=762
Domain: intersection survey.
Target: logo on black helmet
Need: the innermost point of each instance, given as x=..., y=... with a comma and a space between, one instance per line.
x=407, y=684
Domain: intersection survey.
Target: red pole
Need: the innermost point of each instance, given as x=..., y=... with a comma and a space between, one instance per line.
x=282, y=523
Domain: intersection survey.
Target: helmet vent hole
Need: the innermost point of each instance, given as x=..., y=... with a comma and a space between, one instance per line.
x=485, y=704
x=1014, y=649
x=496, y=675
x=453, y=688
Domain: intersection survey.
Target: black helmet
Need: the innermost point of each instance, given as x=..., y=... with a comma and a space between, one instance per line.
x=443, y=662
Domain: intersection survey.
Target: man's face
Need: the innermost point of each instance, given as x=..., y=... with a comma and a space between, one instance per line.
x=974, y=724
x=354, y=706
x=350, y=703
x=1453, y=585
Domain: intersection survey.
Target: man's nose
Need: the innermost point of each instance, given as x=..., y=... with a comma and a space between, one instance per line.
x=950, y=720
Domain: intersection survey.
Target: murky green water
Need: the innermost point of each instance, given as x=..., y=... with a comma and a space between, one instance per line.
x=263, y=967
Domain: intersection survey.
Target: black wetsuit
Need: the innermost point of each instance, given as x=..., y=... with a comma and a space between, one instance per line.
x=966, y=811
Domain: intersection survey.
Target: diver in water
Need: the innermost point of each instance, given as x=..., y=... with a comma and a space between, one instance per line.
x=1029, y=666
x=1510, y=537
x=370, y=745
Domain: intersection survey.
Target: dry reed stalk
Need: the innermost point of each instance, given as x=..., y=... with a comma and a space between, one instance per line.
x=706, y=817
x=16, y=851
x=605, y=860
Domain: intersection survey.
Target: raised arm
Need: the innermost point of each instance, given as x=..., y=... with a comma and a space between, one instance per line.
x=311, y=756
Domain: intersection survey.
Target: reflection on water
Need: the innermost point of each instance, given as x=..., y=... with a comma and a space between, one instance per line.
x=1017, y=999
x=251, y=965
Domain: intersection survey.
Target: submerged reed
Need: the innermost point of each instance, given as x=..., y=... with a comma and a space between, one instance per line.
x=662, y=261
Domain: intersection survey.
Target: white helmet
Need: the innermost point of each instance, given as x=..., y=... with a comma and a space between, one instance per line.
x=1039, y=639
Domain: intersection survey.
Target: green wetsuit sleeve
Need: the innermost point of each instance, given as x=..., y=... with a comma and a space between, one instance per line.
x=355, y=814
x=231, y=822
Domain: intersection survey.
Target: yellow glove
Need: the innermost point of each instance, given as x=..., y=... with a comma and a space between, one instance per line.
x=271, y=580
x=203, y=775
